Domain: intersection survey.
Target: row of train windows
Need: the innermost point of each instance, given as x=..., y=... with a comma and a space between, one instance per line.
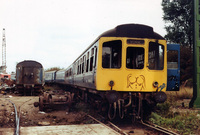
x=112, y=56
x=85, y=64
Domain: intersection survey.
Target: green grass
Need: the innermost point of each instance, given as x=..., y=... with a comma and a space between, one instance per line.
x=183, y=124
x=174, y=116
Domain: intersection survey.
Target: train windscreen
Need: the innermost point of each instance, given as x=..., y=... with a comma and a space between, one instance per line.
x=111, y=54
x=135, y=58
x=156, y=56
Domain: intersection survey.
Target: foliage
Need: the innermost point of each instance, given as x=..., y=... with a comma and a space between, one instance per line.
x=175, y=115
x=178, y=16
x=187, y=123
x=163, y=108
x=186, y=61
x=53, y=68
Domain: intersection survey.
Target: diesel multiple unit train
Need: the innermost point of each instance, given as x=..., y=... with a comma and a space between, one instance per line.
x=29, y=77
x=124, y=71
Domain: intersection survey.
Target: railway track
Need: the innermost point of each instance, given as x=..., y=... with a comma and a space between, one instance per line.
x=111, y=125
x=157, y=130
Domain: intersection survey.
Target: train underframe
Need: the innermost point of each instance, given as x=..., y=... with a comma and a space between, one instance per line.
x=29, y=89
x=113, y=104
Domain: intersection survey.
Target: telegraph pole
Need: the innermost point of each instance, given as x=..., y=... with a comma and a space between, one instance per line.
x=195, y=102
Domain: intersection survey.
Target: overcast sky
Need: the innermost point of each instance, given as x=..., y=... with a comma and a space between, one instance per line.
x=56, y=32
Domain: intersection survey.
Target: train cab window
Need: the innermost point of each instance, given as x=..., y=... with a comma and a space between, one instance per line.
x=135, y=58
x=111, y=54
x=156, y=56
x=172, y=59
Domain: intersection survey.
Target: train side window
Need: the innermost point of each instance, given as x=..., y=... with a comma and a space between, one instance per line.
x=70, y=71
x=74, y=69
x=95, y=62
x=135, y=58
x=87, y=62
x=91, y=59
x=156, y=56
x=111, y=54
x=82, y=65
x=66, y=74
x=172, y=59
x=77, y=67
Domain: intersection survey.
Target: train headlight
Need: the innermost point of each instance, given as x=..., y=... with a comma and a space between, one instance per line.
x=155, y=84
x=111, y=83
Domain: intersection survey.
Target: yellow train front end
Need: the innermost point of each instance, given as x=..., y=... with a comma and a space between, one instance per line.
x=131, y=70
x=131, y=65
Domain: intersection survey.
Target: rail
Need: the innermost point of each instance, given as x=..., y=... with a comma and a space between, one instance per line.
x=117, y=129
x=16, y=118
x=159, y=128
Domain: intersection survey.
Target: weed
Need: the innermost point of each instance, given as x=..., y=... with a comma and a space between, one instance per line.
x=183, y=93
x=182, y=124
x=163, y=108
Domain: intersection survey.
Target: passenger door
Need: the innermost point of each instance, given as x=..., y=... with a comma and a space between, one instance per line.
x=173, y=67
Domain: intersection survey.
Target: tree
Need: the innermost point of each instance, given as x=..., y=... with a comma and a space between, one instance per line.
x=53, y=69
x=178, y=15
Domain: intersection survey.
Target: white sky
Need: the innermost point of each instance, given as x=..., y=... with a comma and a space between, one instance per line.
x=56, y=32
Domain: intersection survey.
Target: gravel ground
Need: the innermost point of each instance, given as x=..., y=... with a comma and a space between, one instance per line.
x=31, y=116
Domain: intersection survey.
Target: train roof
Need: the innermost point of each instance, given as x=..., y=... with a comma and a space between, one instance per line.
x=129, y=31
x=29, y=63
x=132, y=31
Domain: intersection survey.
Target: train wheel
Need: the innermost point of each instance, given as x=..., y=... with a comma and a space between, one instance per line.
x=41, y=105
x=50, y=101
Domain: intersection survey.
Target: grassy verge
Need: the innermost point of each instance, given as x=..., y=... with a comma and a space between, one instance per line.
x=174, y=114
